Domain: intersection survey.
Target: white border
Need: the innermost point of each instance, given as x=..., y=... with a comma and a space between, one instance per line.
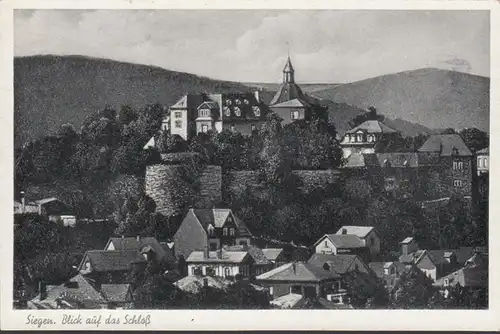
x=240, y=319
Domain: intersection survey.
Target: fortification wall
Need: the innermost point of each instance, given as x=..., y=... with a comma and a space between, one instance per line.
x=173, y=188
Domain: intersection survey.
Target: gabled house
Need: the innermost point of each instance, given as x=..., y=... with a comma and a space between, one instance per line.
x=364, y=137
x=221, y=263
x=323, y=276
x=110, y=266
x=212, y=228
x=367, y=234
x=81, y=292
x=149, y=247
x=341, y=244
x=474, y=278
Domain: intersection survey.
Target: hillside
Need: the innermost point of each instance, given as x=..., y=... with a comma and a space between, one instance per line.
x=430, y=97
x=308, y=88
x=52, y=90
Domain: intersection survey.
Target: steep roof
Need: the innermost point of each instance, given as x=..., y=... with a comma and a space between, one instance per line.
x=437, y=256
x=77, y=290
x=217, y=217
x=116, y=292
x=340, y=263
x=112, y=260
x=272, y=253
x=372, y=126
x=360, y=231
x=446, y=145
x=295, y=103
x=225, y=257
x=288, y=91
x=344, y=240
x=466, y=277
x=298, y=272
x=131, y=243
x=288, y=65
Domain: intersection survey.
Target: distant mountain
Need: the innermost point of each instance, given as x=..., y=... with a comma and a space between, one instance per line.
x=52, y=90
x=342, y=113
x=308, y=88
x=431, y=97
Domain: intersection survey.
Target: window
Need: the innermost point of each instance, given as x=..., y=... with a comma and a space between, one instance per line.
x=210, y=229
x=458, y=165
x=446, y=282
x=233, y=128
x=369, y=138
x=243, y=243
x=245, y=101
x=178, y=124
x=224, y=231
x=458, y=183
x=178, y=114
x=165, y=127
x=237, y=111
x=204, y=112
x=229, y=102
x=231, y=231
x=253, y=127
x=197, y=271
x=210, y=271
x=485, y=162
x=294, y=115
x=360, y=137
x=227, y=272
x=238, y=101
x=326, y=243
x=227, y=111
x=204, y=128
x=256, y=111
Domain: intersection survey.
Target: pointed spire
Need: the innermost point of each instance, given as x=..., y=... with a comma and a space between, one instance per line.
x=288, y=71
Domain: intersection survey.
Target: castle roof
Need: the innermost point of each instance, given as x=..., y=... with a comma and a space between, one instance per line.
x=372, y=126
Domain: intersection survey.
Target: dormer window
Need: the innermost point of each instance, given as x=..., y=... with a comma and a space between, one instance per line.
x=238, y=102
x=360, y=137
x=229, y=102
x=245, y=101
x=227, y=111
x=237, y=111
x=256, y=111
x=253, y=127
x=370, y=138
x=231, y=231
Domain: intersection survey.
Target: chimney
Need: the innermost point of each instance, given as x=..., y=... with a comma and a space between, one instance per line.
x=23, y=202
x=257, y=96
x=205, y=252
x=42, y=289
x=344, y=231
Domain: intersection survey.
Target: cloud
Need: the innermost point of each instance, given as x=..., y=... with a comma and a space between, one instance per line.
x=326, y=46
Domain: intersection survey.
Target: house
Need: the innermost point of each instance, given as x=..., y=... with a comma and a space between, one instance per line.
x=472, y=279
x=80, y=292
x=367, y=234
x=261, y=263
x=51, y=208
x=388, y=272
x=483, y=161
x=110, y=266
x=434, y=263
x=364, y=137
x=341, y=244
x=455, y=163
x=323, y=276
x=212, y=228
x=221, y=263
x=149, y=247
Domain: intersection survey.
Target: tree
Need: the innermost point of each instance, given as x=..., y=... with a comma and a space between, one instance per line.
x=475, y=139
x=168, y=143
x=413, y=290
x=448, y=131
x=126, y=115
x=369, y=115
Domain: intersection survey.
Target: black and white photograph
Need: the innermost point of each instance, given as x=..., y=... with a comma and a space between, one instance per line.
x=253, y=159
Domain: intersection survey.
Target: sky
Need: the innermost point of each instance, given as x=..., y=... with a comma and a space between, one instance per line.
x=326, y=46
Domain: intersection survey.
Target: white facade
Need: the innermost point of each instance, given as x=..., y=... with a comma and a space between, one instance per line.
x=223, y=270
x=325, y=246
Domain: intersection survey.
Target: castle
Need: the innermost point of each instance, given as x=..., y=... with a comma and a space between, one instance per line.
x=241, y=112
